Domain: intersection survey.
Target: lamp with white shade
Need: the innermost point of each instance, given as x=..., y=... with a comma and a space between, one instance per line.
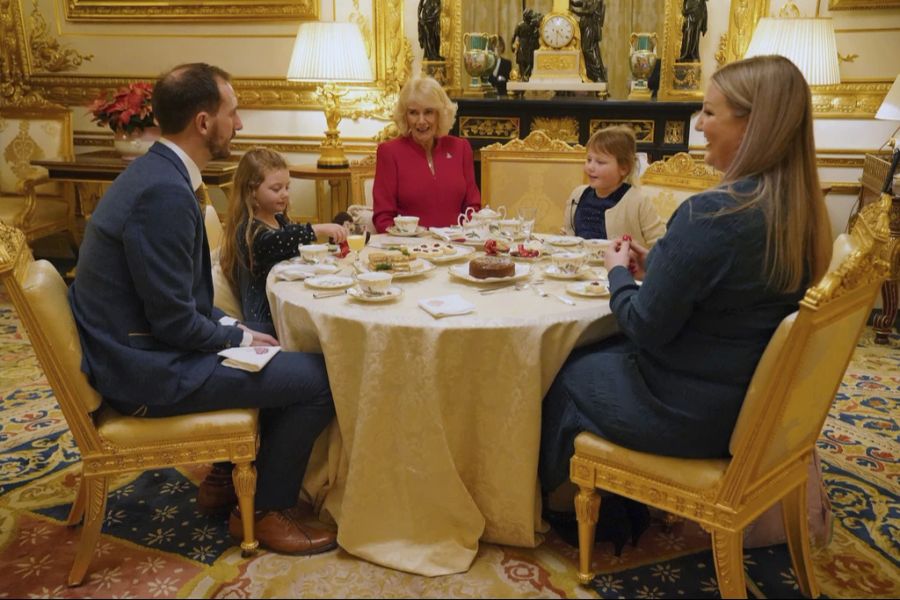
x=890, y=110
x=330, y=53
x=807, y=42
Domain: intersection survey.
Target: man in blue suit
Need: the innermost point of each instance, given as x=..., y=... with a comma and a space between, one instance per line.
x=143, y=302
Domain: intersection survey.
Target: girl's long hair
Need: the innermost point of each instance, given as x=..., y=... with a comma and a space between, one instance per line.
x=779, y=150
x=251, y=172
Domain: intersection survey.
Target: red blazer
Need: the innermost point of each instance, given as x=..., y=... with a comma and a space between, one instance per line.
x=405, y=185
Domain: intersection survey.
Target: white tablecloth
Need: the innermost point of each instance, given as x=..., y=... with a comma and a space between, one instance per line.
x=436, y=440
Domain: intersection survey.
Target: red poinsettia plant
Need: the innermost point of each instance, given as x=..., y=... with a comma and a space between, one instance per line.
x=125, y=110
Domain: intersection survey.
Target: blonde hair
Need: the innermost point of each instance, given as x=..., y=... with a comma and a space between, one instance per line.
x=251, y=171
x=619, y=142
x=779, y=150
x=429, y=93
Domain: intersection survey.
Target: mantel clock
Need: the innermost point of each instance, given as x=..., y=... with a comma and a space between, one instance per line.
x=559, y=57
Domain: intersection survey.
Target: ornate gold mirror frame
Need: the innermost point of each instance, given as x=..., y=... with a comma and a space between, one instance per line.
x=844, y=100
x=36, y=69
x=190, y=10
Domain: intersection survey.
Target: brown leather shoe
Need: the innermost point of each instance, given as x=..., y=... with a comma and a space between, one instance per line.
x=281, y=531
x=216, y=495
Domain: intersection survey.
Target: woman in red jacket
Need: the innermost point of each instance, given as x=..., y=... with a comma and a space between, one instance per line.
x=424, y=172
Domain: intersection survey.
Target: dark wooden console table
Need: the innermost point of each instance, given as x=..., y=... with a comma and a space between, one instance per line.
x=662, y=128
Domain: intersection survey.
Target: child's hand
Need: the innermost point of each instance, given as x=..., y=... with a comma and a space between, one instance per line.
x=337, y=233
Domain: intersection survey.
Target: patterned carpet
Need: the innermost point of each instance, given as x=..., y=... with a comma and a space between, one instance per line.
x=155, y=545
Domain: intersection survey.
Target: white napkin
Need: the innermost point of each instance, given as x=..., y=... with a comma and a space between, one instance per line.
x=247, y=358
x=445, y=233
x=446, y=306
x=295, y=272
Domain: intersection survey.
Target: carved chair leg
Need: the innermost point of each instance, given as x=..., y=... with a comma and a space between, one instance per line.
x=883, y=324
x=95, y=490
x=796, y=526
x=244, y=477
x=77, y=510
x=587, y=509
x=728, y=554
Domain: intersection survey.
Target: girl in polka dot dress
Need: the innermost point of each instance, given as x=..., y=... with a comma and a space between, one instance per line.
x=258, y=231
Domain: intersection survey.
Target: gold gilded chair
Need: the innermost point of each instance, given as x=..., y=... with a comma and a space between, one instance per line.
x=362, y=177
x=110, y=443
x=668, y=182
x=28, y=200
x=774, y=438
x=537, y=171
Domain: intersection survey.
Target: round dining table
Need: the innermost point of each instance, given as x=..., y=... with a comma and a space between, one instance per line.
x=435, y=444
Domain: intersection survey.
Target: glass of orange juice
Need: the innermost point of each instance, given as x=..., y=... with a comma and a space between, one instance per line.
x=356, y=239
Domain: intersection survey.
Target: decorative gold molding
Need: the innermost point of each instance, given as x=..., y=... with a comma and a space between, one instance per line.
x=644, y=130
x=561, y=128
x=23, y=83
x=681, y=170
x=537, y=141
x=849, y=100
x=492, y=128
x=742, y=20
x=190, y=10
x=46, y=52
x=858, y=4
x=674, y=133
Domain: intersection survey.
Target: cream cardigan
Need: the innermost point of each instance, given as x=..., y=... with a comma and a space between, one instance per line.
x=634, y=214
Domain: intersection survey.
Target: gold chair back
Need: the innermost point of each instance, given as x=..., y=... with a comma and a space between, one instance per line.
x=668, y=182
x=774, y=438
x=111, y=443
x=28, y=200
x=537, y=171
x=362, y=178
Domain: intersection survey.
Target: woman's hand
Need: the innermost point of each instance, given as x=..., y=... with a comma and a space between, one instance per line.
x=338, y=233
x=623, y=252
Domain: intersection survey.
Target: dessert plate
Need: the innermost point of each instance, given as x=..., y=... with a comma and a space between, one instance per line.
x=329, y=282
x=391, y=293
x=588, y=289
x=394, y=231
x=417, y=266
x=562, y=240
x=555, y=273
x=462, y=272
x=459, y=252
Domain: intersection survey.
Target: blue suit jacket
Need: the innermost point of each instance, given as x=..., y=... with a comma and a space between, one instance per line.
x=143, y=294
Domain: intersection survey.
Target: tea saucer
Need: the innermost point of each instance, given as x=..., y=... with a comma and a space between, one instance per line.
x=390, y=294
x=555, y=273
x=329, y=282
x=588, y=289
x=394, y=231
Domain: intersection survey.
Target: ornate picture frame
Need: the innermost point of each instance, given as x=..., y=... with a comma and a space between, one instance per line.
x=190, y=10
x=37, y=68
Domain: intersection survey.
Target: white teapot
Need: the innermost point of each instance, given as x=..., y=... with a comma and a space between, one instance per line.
x=484, y=217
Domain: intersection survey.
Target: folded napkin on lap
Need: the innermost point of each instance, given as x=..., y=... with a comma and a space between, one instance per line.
x=446, y=306
x=249, y=358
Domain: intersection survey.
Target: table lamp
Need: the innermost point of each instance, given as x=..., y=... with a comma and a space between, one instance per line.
x=890, y=111
x=330, y=53
x=807, y=42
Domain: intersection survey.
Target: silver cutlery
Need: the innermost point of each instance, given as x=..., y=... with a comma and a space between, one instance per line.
x=516, y=287
x=563, y=299
x=328, y=294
